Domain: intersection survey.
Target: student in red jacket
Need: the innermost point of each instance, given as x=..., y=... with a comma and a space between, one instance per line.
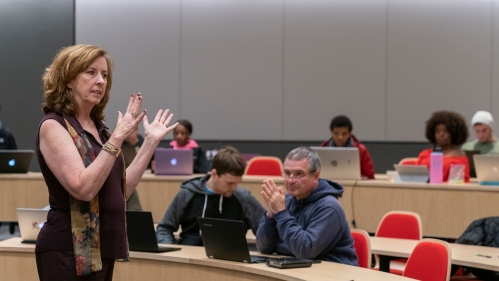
x=341, y=132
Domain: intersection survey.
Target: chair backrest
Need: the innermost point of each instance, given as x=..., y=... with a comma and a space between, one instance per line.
x=400, y=224
x=429, y=261
x=362, y=247
x=409, y=161
x=264, y=166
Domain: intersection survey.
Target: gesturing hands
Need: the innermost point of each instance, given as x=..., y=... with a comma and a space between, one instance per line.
x=155, y=130
x=128, y=122
x=274, y=197
x=159, y=126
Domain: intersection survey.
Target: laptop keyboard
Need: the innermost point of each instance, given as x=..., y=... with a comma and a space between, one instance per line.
x=258, y=259
x=167, y=249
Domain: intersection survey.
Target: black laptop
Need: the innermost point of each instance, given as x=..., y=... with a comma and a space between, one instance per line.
x=141, y=234
x=226, y=240
x=15, y=160
x=469, y=154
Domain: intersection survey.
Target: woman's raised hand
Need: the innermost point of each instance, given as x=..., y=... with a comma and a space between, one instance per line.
x=128, y=122
x=158, y=128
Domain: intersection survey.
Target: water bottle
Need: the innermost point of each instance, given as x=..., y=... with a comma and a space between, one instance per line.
x=436, y=167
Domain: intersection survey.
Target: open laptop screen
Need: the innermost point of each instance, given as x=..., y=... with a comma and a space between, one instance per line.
x=339, y=162
x=171, y=161
x=15, y=160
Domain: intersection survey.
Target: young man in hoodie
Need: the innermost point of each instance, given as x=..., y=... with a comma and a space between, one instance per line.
x=307, y=222
x=341, y=136
x=214, y=195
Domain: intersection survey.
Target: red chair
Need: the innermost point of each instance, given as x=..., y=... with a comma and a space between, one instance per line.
x=362, y=247
x=400, y=224
x=429, y=261
x=264, y=166
x=409, y=161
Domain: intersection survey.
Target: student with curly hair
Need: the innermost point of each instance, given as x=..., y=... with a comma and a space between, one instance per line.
x=447, y=131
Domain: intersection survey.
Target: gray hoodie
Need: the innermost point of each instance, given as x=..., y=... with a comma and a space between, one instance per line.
x=195, y=201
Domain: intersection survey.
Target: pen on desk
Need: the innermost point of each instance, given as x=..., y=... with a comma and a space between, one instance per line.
x=484, y=256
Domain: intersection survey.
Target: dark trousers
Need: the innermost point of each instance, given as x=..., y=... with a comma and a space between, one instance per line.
x=60, y=265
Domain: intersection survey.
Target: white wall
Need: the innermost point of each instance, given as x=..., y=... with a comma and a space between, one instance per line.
x=280, y=70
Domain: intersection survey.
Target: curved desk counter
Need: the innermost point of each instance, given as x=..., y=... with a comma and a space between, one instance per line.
x=446, y=210
x=17, y=262
x=464, y=255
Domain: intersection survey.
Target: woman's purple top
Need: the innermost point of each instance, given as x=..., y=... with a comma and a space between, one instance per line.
x=56, y=233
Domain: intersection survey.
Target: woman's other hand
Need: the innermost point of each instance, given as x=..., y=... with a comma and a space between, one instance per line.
x=158, y=128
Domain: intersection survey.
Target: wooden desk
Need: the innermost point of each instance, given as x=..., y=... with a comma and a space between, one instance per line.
x=446, y=210
x=157, y=192
x=17, y=262
x=464, y=255
x=21, y=191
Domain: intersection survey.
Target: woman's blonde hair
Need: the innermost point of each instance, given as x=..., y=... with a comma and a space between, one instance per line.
x=67, y=64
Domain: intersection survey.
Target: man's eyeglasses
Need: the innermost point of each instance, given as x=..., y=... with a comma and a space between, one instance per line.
x=295, y=176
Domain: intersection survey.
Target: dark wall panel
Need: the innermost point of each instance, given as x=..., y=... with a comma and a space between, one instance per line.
x=31, y=33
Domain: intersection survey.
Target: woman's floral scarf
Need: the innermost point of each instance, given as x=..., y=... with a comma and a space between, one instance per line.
x=85, y=214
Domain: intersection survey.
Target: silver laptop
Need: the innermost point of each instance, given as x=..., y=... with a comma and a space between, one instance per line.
x=487, y=168
x=171, y=161
x=412, y=173
x=15, y=160
x=339, y=162
x=30, y=222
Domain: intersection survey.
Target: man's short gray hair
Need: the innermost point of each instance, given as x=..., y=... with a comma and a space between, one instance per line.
x=303, y=152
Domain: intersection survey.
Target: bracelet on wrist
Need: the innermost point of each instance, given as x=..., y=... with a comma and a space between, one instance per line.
x=111, y=149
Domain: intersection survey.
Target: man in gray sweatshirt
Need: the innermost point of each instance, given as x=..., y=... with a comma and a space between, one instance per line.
x=214, y=195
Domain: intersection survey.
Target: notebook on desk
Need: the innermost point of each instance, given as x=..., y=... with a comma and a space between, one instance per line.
x=141, y=234
x=172, y=162
x=30, y=222
x=226, y=240
x=487, y=168
x=15, y=160
x=339, y=162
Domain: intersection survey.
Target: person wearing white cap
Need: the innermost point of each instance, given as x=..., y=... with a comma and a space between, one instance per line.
x=486, y=143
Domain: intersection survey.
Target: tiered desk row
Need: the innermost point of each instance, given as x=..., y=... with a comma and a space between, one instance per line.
x=446, y=210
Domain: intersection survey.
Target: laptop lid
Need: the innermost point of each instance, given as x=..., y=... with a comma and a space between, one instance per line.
x=30, y=222
x=487, y=168
x=141, y=233
x=339, y=162
x=15, y=160
x=224, y=239
x=412, y=173
x=469, y=154
x=171, y=161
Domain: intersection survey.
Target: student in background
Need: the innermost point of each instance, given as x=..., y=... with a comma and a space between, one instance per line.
x=7, y=140
x=447, y=131
x=486, y=143
x=341, y=132
x=130, y=147
x=214, y=195
x=182, y=140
